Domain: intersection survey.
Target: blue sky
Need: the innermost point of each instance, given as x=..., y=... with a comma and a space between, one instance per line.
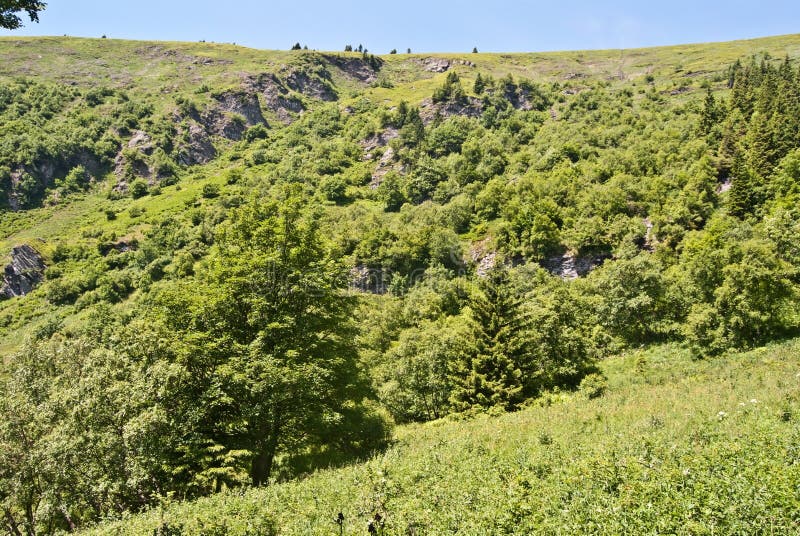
x=424, y=26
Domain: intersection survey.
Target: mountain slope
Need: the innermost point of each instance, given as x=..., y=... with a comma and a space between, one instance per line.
x=256, y=263
x=675, y=446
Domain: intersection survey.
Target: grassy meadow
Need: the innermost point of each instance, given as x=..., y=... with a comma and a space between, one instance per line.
x=673, y=446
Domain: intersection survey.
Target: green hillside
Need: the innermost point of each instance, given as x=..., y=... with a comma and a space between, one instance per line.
x=491, y=293
x=674, y=446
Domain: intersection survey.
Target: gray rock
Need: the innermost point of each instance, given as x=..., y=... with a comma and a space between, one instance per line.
x=198, y=148
x=435, y=65
x=242, y=103
x=570, y=266
x=468, y=107
x=355, y=68
x=368, y=280
x=23, y=273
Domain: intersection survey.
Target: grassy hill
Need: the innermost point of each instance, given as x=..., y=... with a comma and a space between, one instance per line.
x=157, y=74
x=393, y=240
x=674, y=446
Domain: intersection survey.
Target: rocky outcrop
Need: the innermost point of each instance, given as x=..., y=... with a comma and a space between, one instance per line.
x=195, y=146
x=468, y=107
x=385, y=165
x=242, y=103
x=132, y=160
x=435, y=65
x=379, y=139
x=357, y=69
x=370, y=280
x=571, y=266
x=277, y=96
x=314, y=86
x=482, y=257
x=23, y=273
x=441, y=65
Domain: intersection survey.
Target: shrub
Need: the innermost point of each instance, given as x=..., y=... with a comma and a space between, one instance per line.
x=593, y=385
x=138, y=188
x=210, y=190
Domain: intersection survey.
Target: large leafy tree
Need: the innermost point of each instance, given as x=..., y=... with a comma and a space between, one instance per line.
x=268, y=338
x=10, y=9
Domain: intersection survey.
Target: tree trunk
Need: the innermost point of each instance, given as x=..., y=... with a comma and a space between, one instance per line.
x=12, y=525
x=263, y=461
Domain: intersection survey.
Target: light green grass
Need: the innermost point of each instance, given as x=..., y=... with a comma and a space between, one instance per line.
x=676, y=446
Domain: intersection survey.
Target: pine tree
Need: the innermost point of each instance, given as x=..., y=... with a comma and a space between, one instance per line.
x=742, y=196
x=710, y=113
x=480, y=84
x=493, y=374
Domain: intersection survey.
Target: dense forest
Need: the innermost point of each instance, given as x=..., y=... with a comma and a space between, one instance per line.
x=267, y=278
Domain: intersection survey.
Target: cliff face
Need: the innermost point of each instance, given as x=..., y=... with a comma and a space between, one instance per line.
x=23, y=273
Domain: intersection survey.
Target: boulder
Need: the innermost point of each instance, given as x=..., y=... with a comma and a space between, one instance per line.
x=23, y=273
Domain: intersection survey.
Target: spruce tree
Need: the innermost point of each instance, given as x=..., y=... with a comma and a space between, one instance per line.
x=493, y=373
x=742, y=196
x=710, y=114
x=480, y=84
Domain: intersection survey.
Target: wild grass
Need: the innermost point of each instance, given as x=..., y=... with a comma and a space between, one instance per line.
x=675, y=446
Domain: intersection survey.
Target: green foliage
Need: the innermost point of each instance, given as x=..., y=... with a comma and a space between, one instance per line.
x=677, y=447
x=9, y=9
x=287, y=382
x=451, y=90
x=204, y=338
x=138, y=188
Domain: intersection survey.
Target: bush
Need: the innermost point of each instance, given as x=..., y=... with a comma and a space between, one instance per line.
x=210, y=190
x=594, y=385
x=138, y=188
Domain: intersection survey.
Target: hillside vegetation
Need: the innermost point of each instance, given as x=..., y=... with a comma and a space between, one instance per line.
x=260, y=264
x=675, y=446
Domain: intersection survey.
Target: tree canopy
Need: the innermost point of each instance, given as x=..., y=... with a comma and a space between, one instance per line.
x=9, y=10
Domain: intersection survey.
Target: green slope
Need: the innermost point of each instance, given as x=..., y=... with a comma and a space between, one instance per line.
x=158, y=73
x=675, y=446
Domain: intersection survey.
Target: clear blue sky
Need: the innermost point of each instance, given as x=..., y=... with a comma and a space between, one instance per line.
x=425, y=26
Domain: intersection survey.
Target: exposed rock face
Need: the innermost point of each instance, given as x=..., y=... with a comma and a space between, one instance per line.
x=435, y=65
x=242, y=103
x=23, y=273
x=482, y=257
x=133, y=160
x=570, y=266
x=519, y=99
x=312, y=86
x=197, y=148
x=384, y=166
x=277, y=96
x=441, y=65
x=468, y=107
x=380, y=139
x=356, y=68
x=371, y=280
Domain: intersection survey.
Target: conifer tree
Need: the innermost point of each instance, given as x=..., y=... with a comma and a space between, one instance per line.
x=493, y=374
x=741, y=198
x=710, y=113
x=480, y=84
